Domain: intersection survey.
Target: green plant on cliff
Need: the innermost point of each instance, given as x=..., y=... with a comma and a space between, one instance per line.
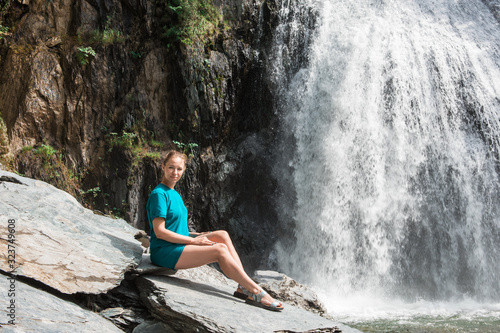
x=3, y=10
x=188, y=19
x=109, y=35
x=94, y=192
x=3, y=31
x=4, y=139
x=136, y=55
x=45, y=163
x=45, y=152
x=188, y=149
x=85, y=54
x=125, y=140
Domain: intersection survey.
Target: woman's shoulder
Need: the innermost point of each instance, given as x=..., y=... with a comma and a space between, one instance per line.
x=160, y=189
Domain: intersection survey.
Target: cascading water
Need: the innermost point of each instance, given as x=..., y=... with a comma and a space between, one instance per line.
x=395, y=123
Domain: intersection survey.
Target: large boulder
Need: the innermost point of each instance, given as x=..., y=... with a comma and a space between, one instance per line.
x=200, y=300
x=34, y=310
x=59, y=242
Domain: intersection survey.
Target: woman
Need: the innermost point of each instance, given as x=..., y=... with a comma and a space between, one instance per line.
x=172, y=247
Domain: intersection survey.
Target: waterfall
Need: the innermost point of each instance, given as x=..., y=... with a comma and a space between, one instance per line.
x=389, y=148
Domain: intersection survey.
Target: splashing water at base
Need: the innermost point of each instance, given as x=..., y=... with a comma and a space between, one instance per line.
x=395, y=170
x=374, y=314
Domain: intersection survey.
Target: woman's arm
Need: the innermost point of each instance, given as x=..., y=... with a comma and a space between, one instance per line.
x=163, y=233
x=195, y=234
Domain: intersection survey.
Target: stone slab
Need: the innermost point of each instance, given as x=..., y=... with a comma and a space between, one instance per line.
x=197, y=302
x=59, y=242
x=38, y=311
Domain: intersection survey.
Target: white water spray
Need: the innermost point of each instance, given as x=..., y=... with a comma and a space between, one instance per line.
x=395, y=167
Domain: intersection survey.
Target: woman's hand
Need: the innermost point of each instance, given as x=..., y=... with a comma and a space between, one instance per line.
x=202, y=240
x=173, y=237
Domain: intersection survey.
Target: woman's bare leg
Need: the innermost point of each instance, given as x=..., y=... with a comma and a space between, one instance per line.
x=195, y=256
x=221, y=236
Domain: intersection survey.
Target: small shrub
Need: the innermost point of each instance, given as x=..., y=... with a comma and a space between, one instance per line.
x=26, y=149
x=85, y=54
x=4, y=139
x=43, y=162
x=188, y=19
x=94, y=192
x=4, y=7
x=188, y=149
x=136, y=55
x=4, y=31
x=156, y=144
x=109, y=35
x=45, y=151
x=126, y=140
x=152, y=155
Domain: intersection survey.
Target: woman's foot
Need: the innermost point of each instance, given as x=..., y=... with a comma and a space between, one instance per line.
x=241, y=293
x=264, y=300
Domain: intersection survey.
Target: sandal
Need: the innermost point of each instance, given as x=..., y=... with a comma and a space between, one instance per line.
x=243, y=294
x=256, y=301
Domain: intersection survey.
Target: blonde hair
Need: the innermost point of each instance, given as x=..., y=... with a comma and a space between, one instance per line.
x=175, y=153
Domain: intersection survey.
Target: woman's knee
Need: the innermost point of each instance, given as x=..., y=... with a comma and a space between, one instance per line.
x=220, y=235
x=221, y=249
x=224, y=235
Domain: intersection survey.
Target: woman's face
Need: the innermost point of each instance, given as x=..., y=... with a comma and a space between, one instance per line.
x=173, y=170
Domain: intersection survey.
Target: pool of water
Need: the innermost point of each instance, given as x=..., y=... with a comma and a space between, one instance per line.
x=390, y=316
x=430, y=324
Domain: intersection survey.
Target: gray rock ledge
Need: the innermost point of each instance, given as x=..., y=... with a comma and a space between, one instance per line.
x=280, y=286
x=59, y=242
x=200, y=300
x=41, y=312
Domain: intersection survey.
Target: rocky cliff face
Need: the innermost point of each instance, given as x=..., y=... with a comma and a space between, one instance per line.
x=92, y=92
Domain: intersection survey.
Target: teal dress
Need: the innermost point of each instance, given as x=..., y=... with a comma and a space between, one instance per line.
x=167, y=203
